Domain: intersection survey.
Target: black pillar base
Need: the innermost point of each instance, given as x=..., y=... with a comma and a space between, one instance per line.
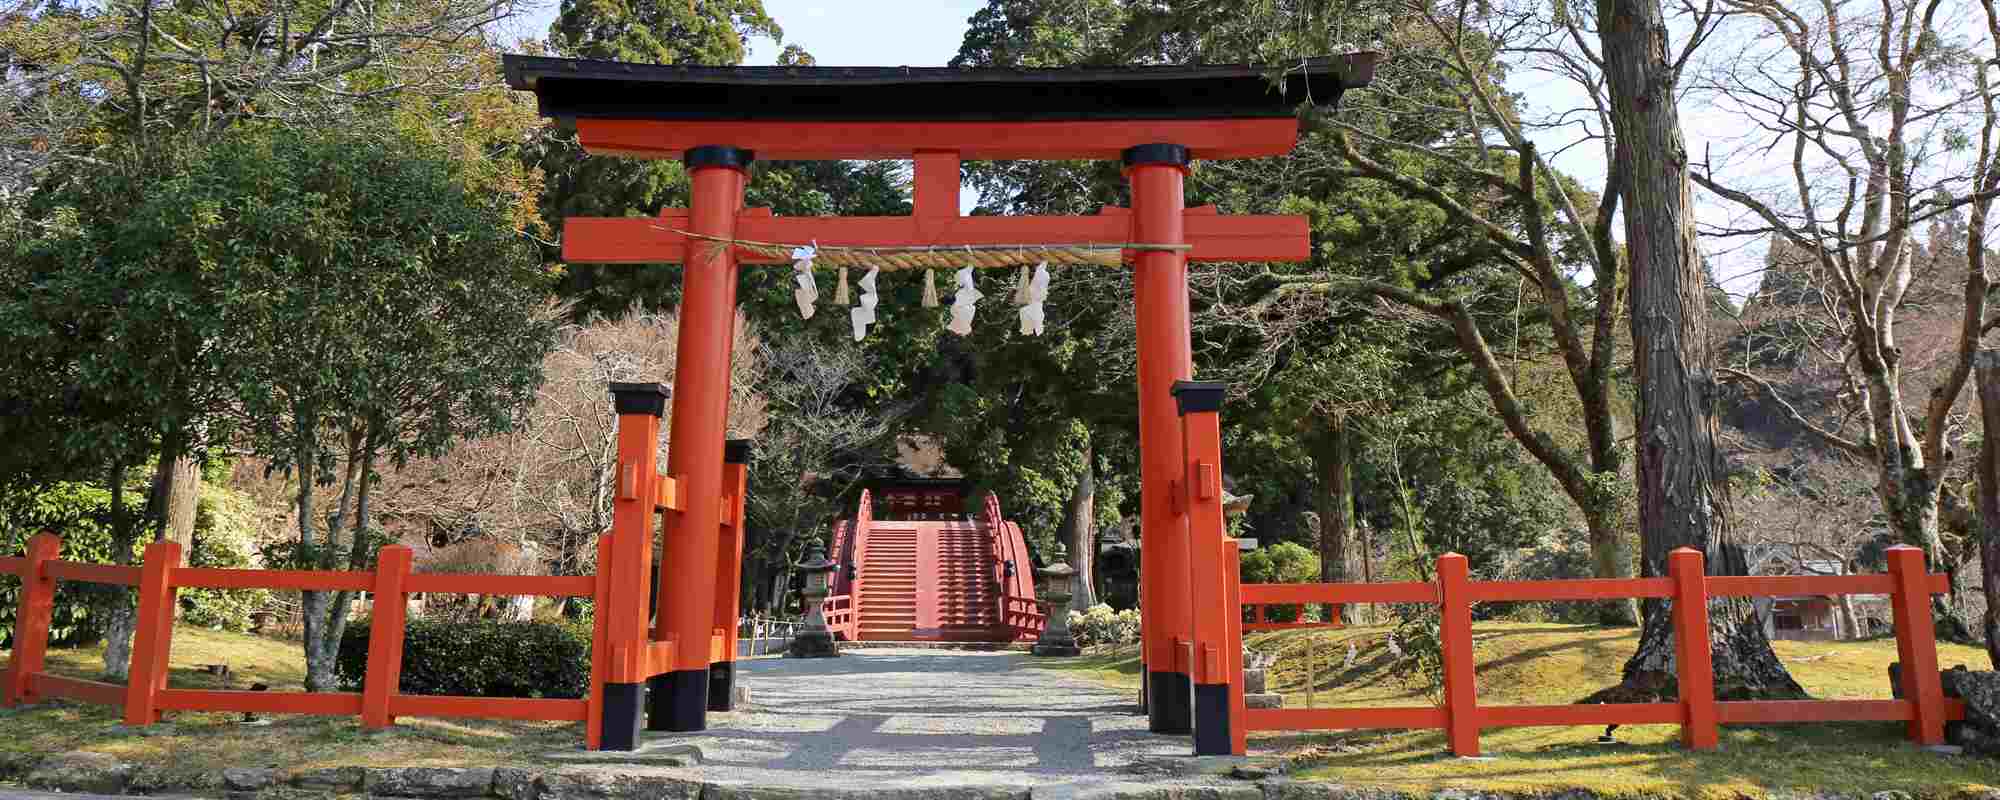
x=621, y=716
x=1169, y=701
x=722, y=686
x=1211, y=720
x=678, y=701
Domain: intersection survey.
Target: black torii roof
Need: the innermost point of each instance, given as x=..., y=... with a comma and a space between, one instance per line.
x=573, y=88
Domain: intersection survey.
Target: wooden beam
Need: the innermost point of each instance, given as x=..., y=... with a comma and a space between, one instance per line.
x=650, y=240
x=819, y=141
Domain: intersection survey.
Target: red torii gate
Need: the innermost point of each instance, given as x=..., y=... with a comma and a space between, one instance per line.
x=717, y=119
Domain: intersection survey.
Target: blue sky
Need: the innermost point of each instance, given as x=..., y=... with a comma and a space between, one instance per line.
x=914, y=33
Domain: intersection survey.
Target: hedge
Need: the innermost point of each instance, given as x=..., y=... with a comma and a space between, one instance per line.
x=479, y=659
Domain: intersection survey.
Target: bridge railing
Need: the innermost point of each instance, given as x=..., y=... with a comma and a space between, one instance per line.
x=1017, y=608
x=1689, y=589
x=146, y=695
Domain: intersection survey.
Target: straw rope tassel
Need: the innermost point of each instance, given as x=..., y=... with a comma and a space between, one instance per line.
x=1021, y=287
x=930, y=288
x=840, y=291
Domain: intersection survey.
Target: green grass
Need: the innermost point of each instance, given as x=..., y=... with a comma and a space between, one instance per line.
x=191, y=750
x=1551, y=664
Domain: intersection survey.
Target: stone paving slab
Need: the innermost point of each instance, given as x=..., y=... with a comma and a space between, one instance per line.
x=887, y=718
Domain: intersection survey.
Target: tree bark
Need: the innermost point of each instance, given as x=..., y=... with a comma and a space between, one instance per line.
x=1332, y=456
x=1682, y=490
x=123, y=619
x=1081, y=514
x=1987, y=368
x=1608, y=559
x=177, y=491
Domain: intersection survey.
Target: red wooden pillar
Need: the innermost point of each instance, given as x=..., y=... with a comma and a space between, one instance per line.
x=31, y=621
x=1461, y=692
x=1916, y=644
x=600, y=647
x=1693, y=662
x=1166, y=355
x=153, y=636
x=1239, y=713
x=679, y=697
x=729, y=573
x=630, y=556
x=385, y=637
x=1200, y=406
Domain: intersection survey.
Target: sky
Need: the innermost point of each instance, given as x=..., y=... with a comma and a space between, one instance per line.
x=922, y=33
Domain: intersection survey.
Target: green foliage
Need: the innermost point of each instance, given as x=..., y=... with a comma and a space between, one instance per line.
x=480, y=659
x=1418, y=648
x=1101, y=625
x=80, y=514
x=224, y=537
x=1284, y=562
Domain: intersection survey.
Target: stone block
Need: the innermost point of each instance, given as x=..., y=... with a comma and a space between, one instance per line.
x=430, y=782
x=1253, y=681
x=603, y=782
x=334, y=780
x=1263, y=700
x=248, y=779
x=78, y=771
x=513, y=783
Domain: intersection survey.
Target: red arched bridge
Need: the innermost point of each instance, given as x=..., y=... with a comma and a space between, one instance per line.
x=928, y=571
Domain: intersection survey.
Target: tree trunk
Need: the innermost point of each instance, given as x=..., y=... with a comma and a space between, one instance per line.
x=1608, y=559
x=1682, y=489
x=175, y=491
x=1987, y=368
x=183, y=494
x=1332, y=454
x=123, y=617
x=1081, y=519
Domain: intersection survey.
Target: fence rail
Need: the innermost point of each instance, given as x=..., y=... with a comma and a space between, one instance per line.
x=1689, y=589
x=145, y=695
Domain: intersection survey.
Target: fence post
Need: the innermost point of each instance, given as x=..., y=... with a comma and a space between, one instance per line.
x=1461, y=693
x=385, y=637
x=1693, y=662
x=154, y=634
x=1916, y=644
x=31, y=621
x=600, y=645
x=1239, y=712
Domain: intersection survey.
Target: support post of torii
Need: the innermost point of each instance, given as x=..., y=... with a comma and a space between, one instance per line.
x=1166, y=355
x=678, y=700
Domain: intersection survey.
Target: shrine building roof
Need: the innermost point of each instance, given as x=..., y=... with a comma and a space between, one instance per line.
x=585, y=89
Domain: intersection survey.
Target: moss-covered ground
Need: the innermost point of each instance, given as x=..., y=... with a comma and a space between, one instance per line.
x=1553, y=664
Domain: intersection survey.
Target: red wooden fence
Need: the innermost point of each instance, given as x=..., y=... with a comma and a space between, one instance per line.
x=1699, y=714
x=145, y=696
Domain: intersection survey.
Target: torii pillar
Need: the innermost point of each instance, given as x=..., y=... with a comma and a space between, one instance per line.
x=1166, y=355
x=678, y=699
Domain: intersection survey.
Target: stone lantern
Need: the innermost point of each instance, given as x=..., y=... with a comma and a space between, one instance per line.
x=814, y=640
x=1056, y=590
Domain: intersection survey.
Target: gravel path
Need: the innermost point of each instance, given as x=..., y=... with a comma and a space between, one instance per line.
x=910, y=717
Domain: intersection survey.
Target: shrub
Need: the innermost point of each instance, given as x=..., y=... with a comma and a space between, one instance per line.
x=1284, y=562
x=224, y=530
x=81, y=514
x=479, y=659
x=1101, y=625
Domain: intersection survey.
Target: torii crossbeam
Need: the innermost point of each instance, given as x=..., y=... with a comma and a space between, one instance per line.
x=718, y=119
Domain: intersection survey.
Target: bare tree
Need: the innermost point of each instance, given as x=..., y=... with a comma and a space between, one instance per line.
x=1887, y=118
x=813, y=451
x=546, y=485
x=1491, y=178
